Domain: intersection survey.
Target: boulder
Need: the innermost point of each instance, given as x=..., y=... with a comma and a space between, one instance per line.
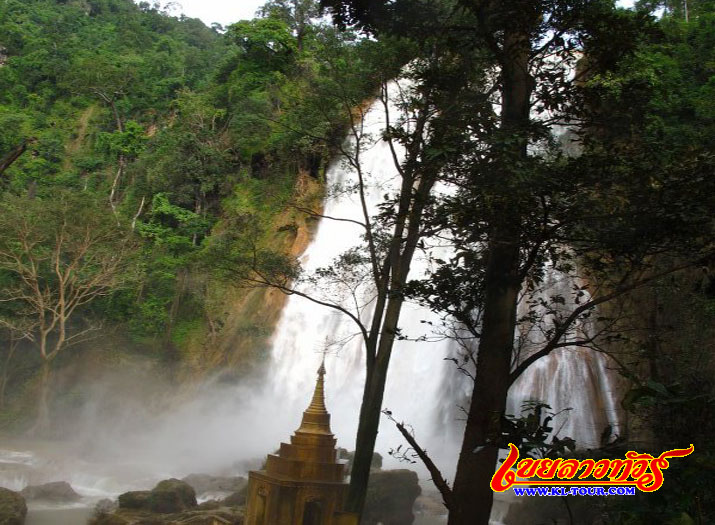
x=169, y=496
x=203, y=483
x=172, y=495
x=103, y=518
x=347, y=456
x=237, y=499
x=105, y=506
x=56, y=491
x=136, y=499
x=391, y=496
x=12, y=508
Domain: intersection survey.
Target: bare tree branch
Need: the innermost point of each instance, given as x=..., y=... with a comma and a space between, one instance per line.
x=437, y=478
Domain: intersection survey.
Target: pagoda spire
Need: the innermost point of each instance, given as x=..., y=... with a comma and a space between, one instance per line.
x=316, y=419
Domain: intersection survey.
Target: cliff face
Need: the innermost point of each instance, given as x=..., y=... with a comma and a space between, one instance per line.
x=237, y=339
x=666, y=357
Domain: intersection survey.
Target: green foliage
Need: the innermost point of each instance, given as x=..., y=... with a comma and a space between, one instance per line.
x=170, y=227
x=192, y=131
x=671, y=399
x=265, y=44
x=531, y=432
x=130, y=142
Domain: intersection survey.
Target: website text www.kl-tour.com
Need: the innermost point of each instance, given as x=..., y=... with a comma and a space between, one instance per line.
x=574, y=491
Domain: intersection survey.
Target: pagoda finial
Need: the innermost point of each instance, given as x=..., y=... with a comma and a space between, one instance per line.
x=317, y=404
x=316, y=417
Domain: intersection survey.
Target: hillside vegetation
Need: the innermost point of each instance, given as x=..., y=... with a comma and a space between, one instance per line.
x=134, y=147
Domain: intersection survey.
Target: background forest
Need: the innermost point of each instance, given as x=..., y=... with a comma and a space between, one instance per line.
x=146, y=159
x=153, y=136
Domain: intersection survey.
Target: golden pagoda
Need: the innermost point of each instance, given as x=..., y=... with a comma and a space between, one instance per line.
x=303, y=484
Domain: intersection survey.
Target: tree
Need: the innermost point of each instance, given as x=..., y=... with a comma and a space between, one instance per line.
x=265, y=43
x=57, y=265
x=191, y=158
x=296, y=13
x=109, y=79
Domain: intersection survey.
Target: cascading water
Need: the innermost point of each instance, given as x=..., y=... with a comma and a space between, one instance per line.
x=415, y=389
x=575, y=382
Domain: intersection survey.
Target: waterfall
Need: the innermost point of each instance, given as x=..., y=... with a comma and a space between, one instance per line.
x=418, y=372
x=576, y=383
x=423, y=389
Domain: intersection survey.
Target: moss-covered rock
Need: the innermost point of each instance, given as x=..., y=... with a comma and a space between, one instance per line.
x=237, y=499
x=12, y=508
x=172, y=495
x=391, y=495
x=135, y=499
x=169, y=496
x=348, y=456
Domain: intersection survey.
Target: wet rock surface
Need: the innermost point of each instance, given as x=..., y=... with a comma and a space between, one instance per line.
x=169, y=496
x=12, y=508
x=171, y=502
x=391, y=496
x=237, y=499
x=55, y=491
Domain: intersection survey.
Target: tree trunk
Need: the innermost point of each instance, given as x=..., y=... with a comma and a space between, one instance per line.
x=42, y=424
x=3, y=384
x=115, y=184
x=371, y=408
x=15, y=154
x=368, y=425
x=477, y=459
x=407, y=231
x=473, y=496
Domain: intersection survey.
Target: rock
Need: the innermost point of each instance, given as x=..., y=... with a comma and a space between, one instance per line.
x=56, y=491
x=391, y=496
x=221, y=516
x=151, y=520
x=213, y=518
x=12, y=508
x=345, y=454
x=136, y=499
x=237, y=499
x=105, y=506
x=211, y=504
x=169, y=496
x=171, y=502
x=172, y=495
x=102, y=518
x=203, y=483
